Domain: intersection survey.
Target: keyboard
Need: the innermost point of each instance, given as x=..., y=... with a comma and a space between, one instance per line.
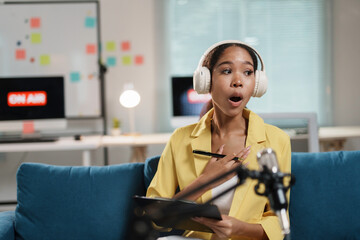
x=28, y=140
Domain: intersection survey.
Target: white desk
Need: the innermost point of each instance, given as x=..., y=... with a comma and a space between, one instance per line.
x=334, y=138
x=63, y=144
x=330, y=138
x=138, y=143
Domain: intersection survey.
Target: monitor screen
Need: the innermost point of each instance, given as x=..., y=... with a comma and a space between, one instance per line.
x=30, y=98
x=186, y=102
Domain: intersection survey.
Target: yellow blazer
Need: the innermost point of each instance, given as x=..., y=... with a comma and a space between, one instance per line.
x=178, y=166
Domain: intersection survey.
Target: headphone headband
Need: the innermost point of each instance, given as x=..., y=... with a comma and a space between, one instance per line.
x=201, y=62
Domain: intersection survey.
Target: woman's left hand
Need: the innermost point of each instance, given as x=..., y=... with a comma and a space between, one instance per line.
x=224, y=228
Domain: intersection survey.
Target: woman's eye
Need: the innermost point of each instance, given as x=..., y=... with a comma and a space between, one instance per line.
x=248, y=73
x=227, y=71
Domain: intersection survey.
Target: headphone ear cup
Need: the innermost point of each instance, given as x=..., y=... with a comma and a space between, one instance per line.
x=261, y=83
x=202, y=80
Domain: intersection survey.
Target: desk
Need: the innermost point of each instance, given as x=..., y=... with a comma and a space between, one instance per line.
x=334, y=138
x=330, y=138
x=63, y=144
x=138, y=143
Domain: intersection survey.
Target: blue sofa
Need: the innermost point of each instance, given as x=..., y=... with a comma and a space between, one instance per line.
x=60, y=202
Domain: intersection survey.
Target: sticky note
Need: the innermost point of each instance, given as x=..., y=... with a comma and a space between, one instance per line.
x=139, y=59
x=111, y=61
x=75, y=77
x=125, y=46
x=35, y=22
x=110, y=46
x=35, y=38
x=126, y=60
x=20, y=54
x=44, y=59
x=90, y=22
x=90, y=48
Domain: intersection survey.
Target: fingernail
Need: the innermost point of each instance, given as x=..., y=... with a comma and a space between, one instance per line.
x=248, y=148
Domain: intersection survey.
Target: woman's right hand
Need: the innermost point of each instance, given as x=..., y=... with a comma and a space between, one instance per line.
x=214, y=168
x=217, y=166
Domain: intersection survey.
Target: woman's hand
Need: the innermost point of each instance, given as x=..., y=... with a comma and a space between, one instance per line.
x=229, y=227
x=214, y=168
x=218, y=166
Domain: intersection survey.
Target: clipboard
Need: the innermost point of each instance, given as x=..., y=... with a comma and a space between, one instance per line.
x=177, y=214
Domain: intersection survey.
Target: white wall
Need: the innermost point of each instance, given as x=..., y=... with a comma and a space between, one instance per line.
x=141, y=22
x=346, y=62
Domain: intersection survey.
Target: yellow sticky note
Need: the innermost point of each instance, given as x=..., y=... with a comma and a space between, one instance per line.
x=126, y=60
x=110, y=46
x=35, y=38
x=44, y=59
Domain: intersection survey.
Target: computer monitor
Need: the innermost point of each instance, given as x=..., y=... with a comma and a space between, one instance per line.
x=31, y=104
x=186, y=103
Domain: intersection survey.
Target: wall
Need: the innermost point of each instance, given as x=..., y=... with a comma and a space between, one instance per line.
x=346, y=47
x=141, y=22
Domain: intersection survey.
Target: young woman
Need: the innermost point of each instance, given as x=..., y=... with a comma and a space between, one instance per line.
x=231, y=129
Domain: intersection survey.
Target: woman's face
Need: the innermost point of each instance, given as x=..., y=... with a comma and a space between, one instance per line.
x=233, y=81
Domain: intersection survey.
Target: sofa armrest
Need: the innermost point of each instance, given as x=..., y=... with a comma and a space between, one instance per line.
x=7, y=231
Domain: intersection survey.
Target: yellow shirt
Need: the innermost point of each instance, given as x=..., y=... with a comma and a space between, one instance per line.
x=178, y=166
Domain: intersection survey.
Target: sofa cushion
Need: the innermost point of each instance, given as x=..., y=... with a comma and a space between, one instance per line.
x=150, y=169
x=324, y=202
x=7, y=225
x=62, y=202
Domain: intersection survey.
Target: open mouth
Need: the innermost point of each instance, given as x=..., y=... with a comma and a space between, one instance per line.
x=235, y=99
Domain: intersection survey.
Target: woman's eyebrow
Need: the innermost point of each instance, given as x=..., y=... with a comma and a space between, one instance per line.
x=229, y=62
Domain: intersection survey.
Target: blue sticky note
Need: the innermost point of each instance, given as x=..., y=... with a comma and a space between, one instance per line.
x=111, y=61
x=74, y=77
x=90, y=22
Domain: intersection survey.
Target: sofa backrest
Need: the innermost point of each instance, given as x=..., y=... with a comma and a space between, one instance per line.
x=325, y=200
x=56, y=202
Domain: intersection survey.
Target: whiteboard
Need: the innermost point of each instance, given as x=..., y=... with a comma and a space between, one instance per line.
x=54, y=39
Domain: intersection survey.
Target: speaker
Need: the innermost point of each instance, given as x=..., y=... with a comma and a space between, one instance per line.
x=202, y=76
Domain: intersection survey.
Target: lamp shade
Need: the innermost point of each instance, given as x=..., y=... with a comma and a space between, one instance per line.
x=129, y=98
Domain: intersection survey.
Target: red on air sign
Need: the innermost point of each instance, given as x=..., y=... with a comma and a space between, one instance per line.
x=194, y=97
x=27, y=99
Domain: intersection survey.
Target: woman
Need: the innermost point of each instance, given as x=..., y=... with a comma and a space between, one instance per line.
x=231, y=129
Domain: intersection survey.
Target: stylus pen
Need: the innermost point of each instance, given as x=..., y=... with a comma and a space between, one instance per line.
x=213, y=154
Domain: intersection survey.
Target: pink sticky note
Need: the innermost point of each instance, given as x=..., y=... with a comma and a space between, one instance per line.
x=139, y=59
x=20, y=54
x=91, y=48
x=35, y=22
x=125, y=46
x=28, y=127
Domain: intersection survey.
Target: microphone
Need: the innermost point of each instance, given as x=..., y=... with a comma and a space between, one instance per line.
x=274, y=186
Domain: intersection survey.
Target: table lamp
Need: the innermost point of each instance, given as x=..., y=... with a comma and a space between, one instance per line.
x=129, y=99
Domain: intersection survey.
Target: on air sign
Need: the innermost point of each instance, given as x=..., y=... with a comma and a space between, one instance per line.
x=27, y=99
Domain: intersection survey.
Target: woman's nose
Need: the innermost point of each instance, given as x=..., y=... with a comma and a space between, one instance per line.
x=236, y=83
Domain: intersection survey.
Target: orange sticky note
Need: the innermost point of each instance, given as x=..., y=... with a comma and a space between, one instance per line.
x=28, y=127
x=125, y=46
x=139, y=59
x=35, y=22
x=20, y=54
x=91, y=48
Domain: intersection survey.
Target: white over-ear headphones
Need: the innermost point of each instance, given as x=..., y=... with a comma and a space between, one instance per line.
x=202, y=76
